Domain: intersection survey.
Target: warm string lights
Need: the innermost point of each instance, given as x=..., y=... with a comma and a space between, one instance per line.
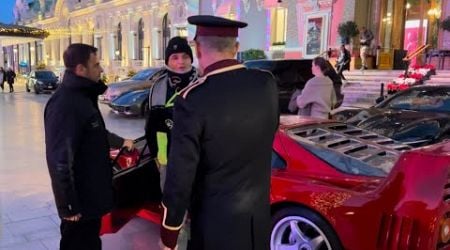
x=22, y=31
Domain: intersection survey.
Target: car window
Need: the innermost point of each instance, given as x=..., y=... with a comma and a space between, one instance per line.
x=288, y=74
x=45, y=74
x=277, y=162
x=143, y=75
x=437, y=100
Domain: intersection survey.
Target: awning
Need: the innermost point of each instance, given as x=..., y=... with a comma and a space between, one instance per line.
x=11, y=34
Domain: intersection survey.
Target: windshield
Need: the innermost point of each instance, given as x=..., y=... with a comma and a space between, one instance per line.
x=143, y=75
x=45, y=74
x=436, y=100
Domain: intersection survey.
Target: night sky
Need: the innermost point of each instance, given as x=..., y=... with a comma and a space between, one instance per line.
x=7, y=7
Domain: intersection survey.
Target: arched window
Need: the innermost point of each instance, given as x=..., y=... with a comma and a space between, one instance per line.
x=140, y=42
x=70, y=32
x=118, y=51
x=165, y=34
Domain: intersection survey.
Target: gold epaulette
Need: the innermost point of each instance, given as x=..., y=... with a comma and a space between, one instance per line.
x=184, y=92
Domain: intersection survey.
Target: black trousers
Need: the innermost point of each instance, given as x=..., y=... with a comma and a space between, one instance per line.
x=340, y=69
x=83, y=234
x=11, y=87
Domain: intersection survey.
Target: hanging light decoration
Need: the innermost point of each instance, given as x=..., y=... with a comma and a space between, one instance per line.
x=22, y=31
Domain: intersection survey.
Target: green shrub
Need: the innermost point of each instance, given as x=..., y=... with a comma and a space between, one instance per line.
x=253, y=54
x=445, y=25
x=131, y=73
x=41, y=65
x=347, y=30
x=104, y=78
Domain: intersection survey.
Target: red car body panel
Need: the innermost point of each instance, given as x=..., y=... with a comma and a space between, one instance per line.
x=404, y=210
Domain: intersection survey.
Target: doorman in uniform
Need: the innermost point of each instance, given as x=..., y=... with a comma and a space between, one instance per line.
x=219, y=165
x=177, y=74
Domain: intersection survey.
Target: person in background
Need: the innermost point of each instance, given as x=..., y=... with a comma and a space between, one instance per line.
x=292, y=106
x=77, y=150
x=343, y=61
x=166, y=85
x=365, y=39
x=318, y=96
x=10, y=76
x=2, y=78
x=219, y=164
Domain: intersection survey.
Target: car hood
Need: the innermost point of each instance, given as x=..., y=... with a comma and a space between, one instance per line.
x=131, y=98
x=405, y=125
x=125, y=83
x=51, y=80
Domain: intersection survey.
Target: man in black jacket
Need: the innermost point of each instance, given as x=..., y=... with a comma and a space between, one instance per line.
x=77, y=149
x=219, y=163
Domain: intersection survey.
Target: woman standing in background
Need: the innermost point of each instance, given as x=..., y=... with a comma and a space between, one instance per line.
x=318, y=96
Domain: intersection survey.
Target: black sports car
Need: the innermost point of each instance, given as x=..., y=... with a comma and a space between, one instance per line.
x=41, y=80
x=291, y=75
x=131, y=103
x=417, y=116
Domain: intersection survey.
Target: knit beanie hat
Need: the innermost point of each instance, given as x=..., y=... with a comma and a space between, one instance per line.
x=178, y=45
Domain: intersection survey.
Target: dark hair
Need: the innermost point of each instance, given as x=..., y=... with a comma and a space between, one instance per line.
x=77, y=53
x=322, y=64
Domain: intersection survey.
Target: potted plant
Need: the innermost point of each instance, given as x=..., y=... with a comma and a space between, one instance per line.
x=347, y=30
x=445, y=25
x=253, y=54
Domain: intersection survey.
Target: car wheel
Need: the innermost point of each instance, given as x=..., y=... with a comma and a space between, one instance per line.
x=340, y=118
x=144, y=108
x=36, y=90
x=300, y=228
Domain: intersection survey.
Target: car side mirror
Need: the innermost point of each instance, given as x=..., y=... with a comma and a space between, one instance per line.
x=379, y=99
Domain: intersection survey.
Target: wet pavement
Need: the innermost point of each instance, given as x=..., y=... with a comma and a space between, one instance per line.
x=28, y=214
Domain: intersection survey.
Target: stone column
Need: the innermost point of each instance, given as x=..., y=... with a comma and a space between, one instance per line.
x=444, y=36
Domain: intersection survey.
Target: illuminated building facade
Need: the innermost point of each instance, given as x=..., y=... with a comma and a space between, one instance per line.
x=131, y=34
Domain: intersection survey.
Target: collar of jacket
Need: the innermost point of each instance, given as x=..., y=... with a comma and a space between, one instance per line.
x=220, y=64
x=93, y=89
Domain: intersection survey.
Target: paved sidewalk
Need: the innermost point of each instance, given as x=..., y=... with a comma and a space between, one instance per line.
x=28, y=215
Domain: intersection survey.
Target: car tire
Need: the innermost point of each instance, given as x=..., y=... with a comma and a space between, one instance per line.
x=36, y=90
x=301, y=228
x=144, y=108
x=339, y=118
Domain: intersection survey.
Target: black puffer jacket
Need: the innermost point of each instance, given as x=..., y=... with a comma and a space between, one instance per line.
x=77, y=148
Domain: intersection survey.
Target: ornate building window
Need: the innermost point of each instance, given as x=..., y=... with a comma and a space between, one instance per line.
x=118, y=51
x=140, y=40
x=165, y=34
x=278, y=18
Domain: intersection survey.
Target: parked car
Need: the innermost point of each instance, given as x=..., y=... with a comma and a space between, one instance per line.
x=417, y=116
x=139, y=81
x=293, y=74
x=41, y=81
x=131, y=103
x=333, y=186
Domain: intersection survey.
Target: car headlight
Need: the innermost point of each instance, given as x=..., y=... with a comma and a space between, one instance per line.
x=139, y=97
x=39, y=82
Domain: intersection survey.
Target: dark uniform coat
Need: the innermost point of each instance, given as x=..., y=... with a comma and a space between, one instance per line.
x=219, y=167
x=77, y=149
